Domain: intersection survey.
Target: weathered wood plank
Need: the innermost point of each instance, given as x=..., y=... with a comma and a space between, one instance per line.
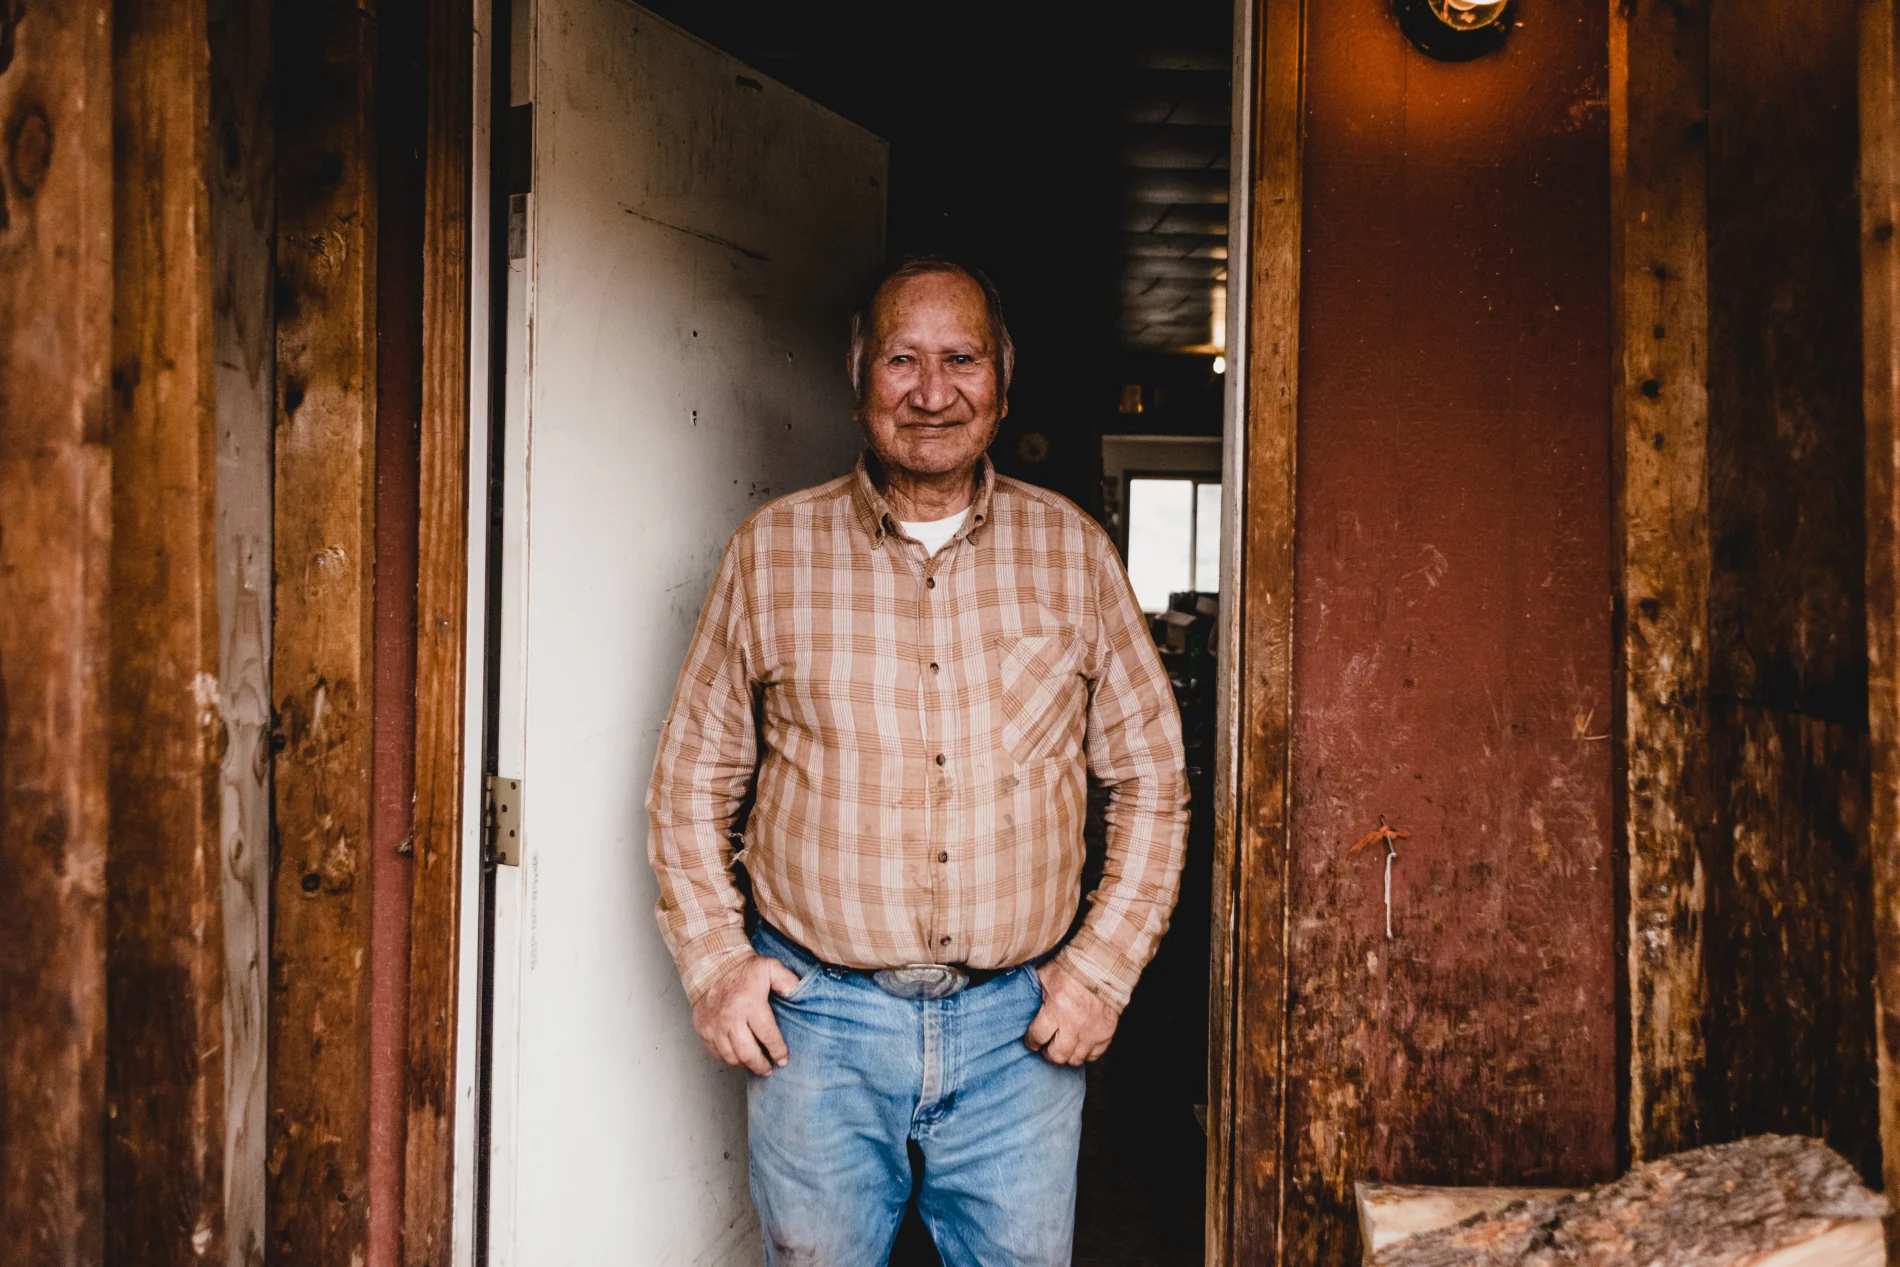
x=1659, y=162
x=1789, y=929
x=401, y=137
x=1879, y=84
x=1223, y=1021
x=242, y=216
x=441, y=642
x=1248, y=1182
x=321, y=657
x=165, y=952
x=55, y=506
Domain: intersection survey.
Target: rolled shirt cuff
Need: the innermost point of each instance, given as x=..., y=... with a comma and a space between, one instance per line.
x=1108, y=975
x=708, y=957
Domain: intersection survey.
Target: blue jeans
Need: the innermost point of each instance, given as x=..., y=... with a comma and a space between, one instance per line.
x=998, y=1125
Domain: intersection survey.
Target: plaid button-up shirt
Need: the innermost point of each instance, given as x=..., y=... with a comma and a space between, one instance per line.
x=913, y=735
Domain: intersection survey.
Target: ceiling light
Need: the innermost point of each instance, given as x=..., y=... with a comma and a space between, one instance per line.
x=1220, y=365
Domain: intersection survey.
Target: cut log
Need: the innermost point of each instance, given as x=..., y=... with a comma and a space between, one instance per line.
x=1770, y=1201
x=1390, y=1212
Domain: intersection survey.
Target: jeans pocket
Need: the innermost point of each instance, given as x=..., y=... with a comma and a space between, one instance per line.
x=1035, y=976
x=804, y=986
x=807, y=973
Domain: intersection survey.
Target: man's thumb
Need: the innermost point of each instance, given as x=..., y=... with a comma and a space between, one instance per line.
x=784, y=980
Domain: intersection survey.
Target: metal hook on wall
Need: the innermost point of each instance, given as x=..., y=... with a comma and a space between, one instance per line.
x=1387, y=833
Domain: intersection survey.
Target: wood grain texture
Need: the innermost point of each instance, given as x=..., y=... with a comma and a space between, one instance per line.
x=1879, y=87
x=241, y=183
x=1390, y=1212
x=401, y=133
x=55, y=506
x=1788, y=934
x=441, y=645
x=1769, y=1201
x=321, y=657
x=1659, y=154
x=1248, y=1183
x=165, y=950
x=1453, y=645
x=1223, y=1022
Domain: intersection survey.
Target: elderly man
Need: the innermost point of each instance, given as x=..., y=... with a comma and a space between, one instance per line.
x=899, y=684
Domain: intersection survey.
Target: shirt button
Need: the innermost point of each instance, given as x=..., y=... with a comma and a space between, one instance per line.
x=933, y=666
x=940, y=758
x=930, y=582
x=944, y=941
x=944, y=856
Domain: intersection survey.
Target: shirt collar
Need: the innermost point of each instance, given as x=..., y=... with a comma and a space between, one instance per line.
x=874, y=513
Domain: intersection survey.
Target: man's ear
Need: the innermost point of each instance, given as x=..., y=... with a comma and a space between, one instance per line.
x=1004, y=411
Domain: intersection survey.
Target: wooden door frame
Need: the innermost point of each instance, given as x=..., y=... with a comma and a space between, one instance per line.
x=1248, y=986
x=1247, y=963
x=438, y=1180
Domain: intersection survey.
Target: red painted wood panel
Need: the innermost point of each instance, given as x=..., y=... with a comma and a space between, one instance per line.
x=1453, y=640
x=401, y=135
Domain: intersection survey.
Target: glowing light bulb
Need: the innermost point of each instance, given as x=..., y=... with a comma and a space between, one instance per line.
x=1468, y=15
x=1220, y=365
x=1457, y=30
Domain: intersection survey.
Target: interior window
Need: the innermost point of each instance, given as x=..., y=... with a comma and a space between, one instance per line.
x=1160, y=539
x=1207, y=538
x=1173, y=538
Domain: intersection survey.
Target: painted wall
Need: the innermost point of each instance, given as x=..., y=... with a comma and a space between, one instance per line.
x=1453, y=640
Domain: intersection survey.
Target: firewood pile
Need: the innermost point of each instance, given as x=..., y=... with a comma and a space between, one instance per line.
x=1770, y=1201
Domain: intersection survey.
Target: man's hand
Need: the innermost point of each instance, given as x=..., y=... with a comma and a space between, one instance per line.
x=735, y=1019
x=1074, y=1026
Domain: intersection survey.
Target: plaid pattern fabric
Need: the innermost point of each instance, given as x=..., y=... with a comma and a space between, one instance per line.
x=919, y=729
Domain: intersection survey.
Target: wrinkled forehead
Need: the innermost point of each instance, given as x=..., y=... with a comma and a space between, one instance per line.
x=943, y=307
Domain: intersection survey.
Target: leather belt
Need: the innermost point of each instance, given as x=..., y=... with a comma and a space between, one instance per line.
x=911, y=980
x=931, y=980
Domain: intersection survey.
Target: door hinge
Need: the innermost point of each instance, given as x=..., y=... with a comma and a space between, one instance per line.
x=520, y=162
x=518, y=227
x=501, y=821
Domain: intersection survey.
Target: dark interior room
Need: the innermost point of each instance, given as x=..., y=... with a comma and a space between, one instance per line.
x=1082, y=162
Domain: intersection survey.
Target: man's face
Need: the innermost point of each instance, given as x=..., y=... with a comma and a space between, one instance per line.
x=930, y=402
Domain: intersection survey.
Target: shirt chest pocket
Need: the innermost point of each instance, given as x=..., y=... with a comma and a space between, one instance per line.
x=1041, y=690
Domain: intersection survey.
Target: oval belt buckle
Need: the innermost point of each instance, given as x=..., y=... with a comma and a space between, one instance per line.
x=921, y=980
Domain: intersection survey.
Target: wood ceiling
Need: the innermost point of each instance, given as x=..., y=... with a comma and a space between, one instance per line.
x=1173, y=166
x=1139, y=93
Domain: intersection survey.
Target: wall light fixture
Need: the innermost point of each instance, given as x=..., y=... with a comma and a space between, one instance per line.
x=1456, y=30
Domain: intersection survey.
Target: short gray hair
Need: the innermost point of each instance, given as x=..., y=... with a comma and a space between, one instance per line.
x=916, y=264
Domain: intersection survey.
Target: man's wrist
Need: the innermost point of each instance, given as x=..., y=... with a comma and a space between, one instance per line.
x=707, y=959
x=1076, y=962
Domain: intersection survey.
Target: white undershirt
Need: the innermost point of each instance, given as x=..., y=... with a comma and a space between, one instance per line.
x=936, y=533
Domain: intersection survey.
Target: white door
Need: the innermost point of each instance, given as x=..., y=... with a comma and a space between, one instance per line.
x=676, y=329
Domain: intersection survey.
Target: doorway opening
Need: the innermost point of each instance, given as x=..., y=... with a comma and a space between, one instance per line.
x=1084, y=164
